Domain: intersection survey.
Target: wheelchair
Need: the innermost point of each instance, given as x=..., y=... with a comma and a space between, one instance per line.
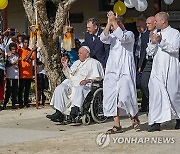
x=92, y=109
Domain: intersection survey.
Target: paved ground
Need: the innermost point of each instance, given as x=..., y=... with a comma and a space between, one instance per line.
x=28, y=131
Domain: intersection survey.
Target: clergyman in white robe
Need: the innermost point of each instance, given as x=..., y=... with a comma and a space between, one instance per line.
x=119, y=87
x=164, y=82
x=70, y=93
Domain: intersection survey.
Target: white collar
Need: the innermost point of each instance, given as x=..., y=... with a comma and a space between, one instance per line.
x=165, y=29
x=144, y=31
x=97, y=32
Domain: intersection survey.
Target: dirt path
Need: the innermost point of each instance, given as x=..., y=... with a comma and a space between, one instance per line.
x=28, y=131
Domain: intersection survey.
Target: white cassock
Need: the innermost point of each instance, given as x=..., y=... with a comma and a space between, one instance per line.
x=69, y=93
x=119, y=87
x=164, y=82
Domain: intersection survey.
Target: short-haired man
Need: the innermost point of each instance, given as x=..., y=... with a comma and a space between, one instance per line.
x=99, y=50
x=164, y=82
x=140, y=56
x=148, y=66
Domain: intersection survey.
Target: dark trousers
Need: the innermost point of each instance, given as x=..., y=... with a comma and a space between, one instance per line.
x=43, y=84
x=144, y=85
x=136, y=60
x=11, y=91
x=24, y=85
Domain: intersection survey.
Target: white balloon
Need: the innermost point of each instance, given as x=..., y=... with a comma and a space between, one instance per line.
x=134, y=2
x=130, y=3
x=141, y=5
x=168, y=2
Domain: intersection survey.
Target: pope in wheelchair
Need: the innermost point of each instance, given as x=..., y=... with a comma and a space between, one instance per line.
x=69, y=96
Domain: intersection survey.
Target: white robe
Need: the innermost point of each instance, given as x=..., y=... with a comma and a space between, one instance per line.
x=164, y=82
x=69, y=93
x=119, y=87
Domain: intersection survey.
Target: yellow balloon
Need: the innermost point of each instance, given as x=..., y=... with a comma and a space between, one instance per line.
x=3, y=4
x=119, y=8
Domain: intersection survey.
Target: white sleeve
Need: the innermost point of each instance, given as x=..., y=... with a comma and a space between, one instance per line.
x=171, y=47
x=68, y=71
x=105, y=39
x=123, y=37
x=97, y=71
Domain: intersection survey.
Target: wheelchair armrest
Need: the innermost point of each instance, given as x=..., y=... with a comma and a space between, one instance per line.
x=97, y=83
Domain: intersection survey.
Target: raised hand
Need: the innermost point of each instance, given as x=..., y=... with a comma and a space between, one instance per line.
x=158, y=38
x=111, y=17
x=152, y=38
x=64, y=62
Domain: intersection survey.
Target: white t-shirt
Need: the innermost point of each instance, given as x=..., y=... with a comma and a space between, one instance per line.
x=2, y=63
x=40, y=68
x=7, y=41
x=2, y=46
x=12, y=72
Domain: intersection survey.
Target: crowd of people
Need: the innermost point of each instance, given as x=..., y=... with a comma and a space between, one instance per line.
x=124, y=62
x=149, y=62
x=17, y=73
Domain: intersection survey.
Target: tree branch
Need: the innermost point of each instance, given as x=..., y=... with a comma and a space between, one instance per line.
x=29, y=10
x=42, y=15
x=68, y=4
x=61, y=16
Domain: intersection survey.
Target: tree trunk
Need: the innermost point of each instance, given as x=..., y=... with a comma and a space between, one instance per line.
x=51, y=59
x=50, y=33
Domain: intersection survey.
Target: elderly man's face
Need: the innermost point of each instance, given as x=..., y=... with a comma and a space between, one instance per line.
x=91, y=29
x=83, y=54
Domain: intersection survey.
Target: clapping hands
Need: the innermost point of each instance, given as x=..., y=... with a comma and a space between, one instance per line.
x=155, y=38
x=111, y=17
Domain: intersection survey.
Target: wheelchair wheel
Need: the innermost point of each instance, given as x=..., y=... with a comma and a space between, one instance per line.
x=86, y=119
x=96, y=106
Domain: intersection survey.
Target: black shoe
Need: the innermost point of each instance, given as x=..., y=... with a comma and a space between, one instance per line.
x=21, y=106
x=56, y=115
x=13, y=107
x=60, y=119
x=27, y=105
x=73, y=114
x=51, y=116
x=1, y=108
x=71, y=119
x=43, y=102
x=177, y=124
x=154, y=127
x=4, y=107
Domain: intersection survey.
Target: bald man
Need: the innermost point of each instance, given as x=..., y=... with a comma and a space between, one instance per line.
x=72, y=91
x=164, y=82
x=148, y=66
